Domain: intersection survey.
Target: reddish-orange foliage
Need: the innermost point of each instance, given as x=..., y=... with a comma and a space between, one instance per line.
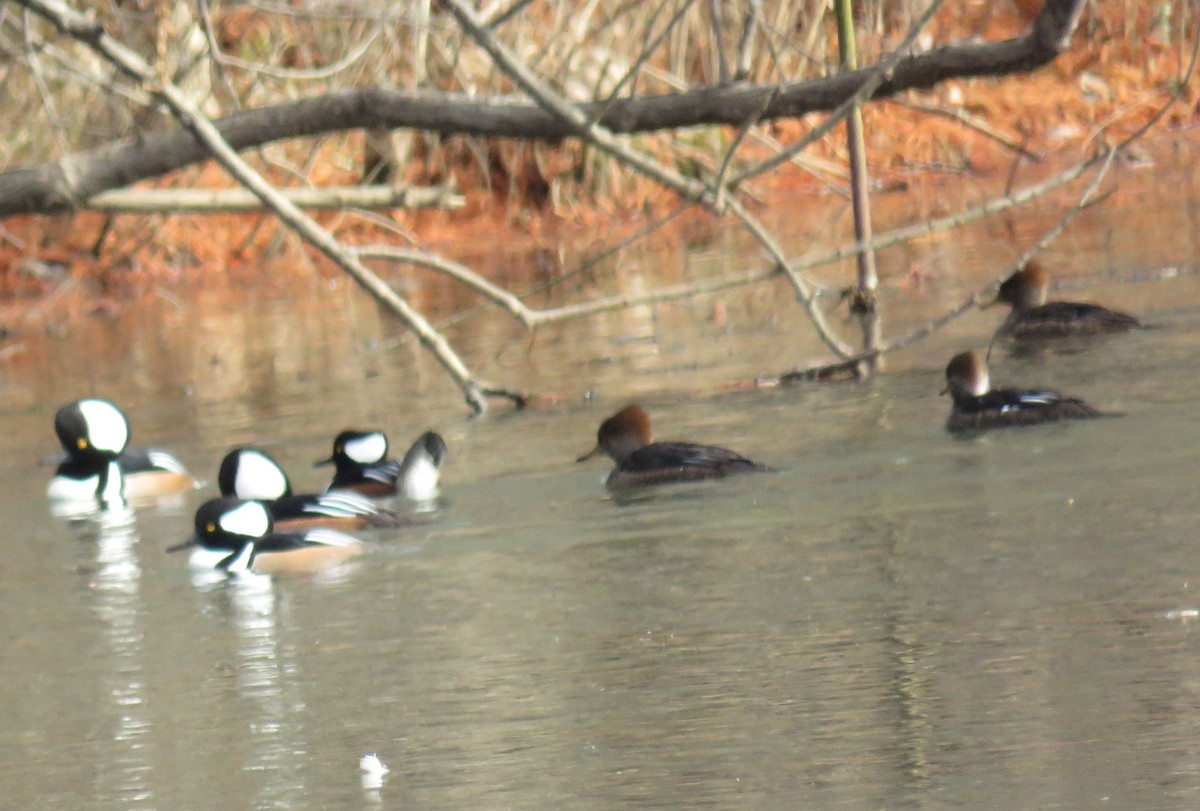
x=529, y=197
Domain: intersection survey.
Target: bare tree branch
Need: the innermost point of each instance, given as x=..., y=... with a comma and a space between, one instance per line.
x=80, y=27
x=988, y=292
x=745, y=56
x=67, y=183
x=219, y=201
x=714, y=16
x=603, y=139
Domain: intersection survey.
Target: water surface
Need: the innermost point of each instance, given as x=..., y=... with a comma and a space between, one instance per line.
x=892, y=618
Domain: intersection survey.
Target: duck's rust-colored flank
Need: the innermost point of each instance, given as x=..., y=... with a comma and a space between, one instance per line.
x=251, y=473
x=237, y=536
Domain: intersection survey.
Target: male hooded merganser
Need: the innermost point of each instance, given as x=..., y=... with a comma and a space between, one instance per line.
x=148, y=473
x=627, y=439
x=977, y=405
x=249, y=473
x=93, y=434
x=237, y=536
x=1032, y=317
x=362, y=465
x=152, y=473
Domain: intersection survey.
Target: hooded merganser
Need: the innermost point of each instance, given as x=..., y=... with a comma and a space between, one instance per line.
x=148, y=473
x=93, y=433
x=152, y=473
x=249, y=473
x=362, y=465
x=627, y=439
x=977, y=405
x=237, y=536
x=1032, y=317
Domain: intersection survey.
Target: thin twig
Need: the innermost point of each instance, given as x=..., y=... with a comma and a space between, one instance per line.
x=896, y=236
x=714, y=15
x=718, y=184
x=189, y=115
x=981, y=296
x=214, y=47
x=461, y=273
x=221, y=201
x=508, y=13
x=34, y=62
x=1086, y=200
x=970, y=122
x=577, y=121
x=741, y=71
x=877, y=75
x=643, y=57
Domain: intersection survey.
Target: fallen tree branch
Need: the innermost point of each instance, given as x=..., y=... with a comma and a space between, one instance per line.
x=581, y=126
x=223, y=201
x=77, y=25
x=533, y=317
x=69, y=182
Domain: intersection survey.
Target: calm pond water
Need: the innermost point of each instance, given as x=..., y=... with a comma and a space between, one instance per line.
x=893, y=618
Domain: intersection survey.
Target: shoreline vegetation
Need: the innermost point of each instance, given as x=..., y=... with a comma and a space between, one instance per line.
x=1124, y=63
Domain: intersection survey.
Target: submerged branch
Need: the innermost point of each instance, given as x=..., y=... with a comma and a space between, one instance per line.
x=979, y=297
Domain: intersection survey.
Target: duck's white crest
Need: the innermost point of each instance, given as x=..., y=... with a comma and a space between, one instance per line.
x=108, y=430
x=249, y=520
x=367, y=449
x=258, y=477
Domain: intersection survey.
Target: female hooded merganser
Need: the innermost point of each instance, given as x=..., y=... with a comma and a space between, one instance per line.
x=249, y=473
x=237, y=536
x=977, y=405
x=93, y=434
x=362, y=465
x=627, y=439
x=148, y=473
x=1032, y=317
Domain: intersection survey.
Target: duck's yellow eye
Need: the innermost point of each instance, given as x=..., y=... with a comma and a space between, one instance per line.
x=81, y=443
x=210, y=527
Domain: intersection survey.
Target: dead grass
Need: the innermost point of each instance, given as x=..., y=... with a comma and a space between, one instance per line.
x=1122, y=65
